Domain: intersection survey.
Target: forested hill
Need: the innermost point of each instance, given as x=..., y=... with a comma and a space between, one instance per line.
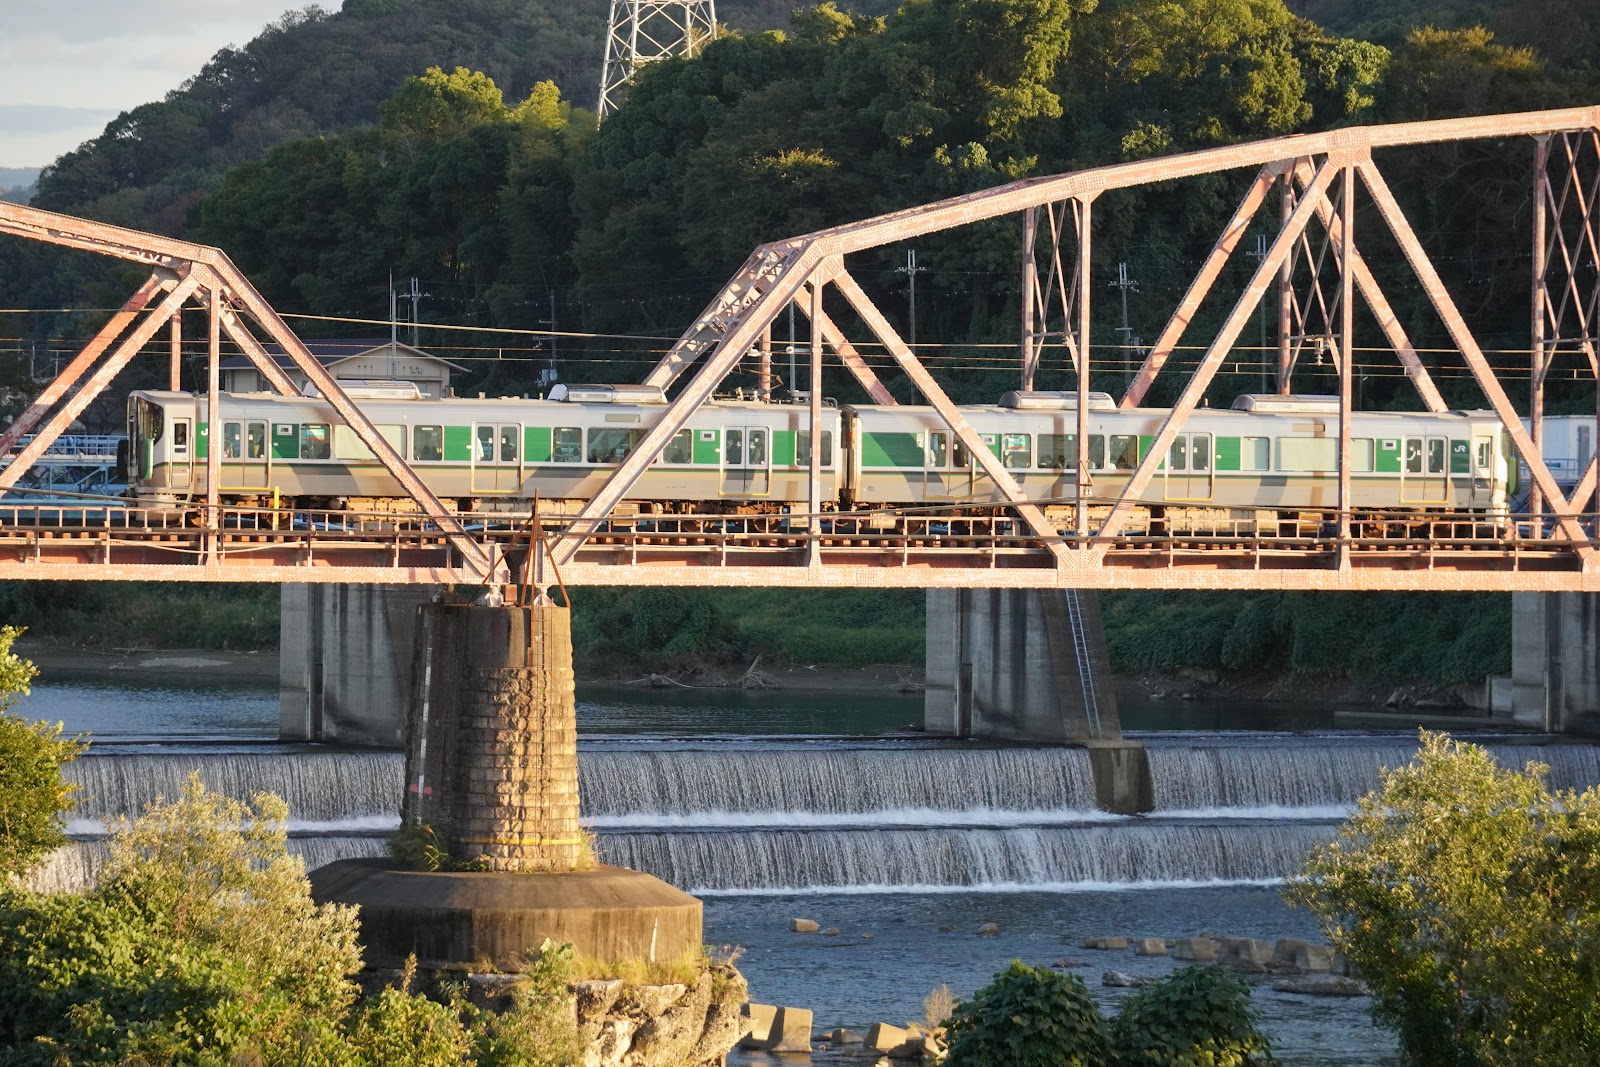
x=1563, y=32
x=313, y=72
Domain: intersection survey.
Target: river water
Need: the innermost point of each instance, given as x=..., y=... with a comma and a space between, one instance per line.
x=780, y=805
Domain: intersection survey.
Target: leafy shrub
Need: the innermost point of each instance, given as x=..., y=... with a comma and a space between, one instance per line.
x=1468, y=897
x=32, y=795
x=1195, y=1017
x=1028, y=1017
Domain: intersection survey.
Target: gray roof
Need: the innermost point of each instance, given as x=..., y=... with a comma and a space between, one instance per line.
x=329, y=351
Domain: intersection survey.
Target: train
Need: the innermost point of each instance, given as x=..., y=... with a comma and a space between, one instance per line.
x=1266, y=466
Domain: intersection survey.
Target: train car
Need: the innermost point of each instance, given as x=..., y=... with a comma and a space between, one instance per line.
x=1268, y=465
x=483, y=455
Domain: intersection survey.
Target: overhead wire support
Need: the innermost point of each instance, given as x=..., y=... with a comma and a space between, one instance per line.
x=647, y=31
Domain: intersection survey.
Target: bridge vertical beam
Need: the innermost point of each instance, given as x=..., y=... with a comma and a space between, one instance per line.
x=175, y=354
x=1536, y=351
x=1030, y=282
x=1446, y=308
x=1286, y=208
x=1277, y=255
x=1346, y=242
x=764, y=374
x=214, y=435
x=1085, y=479
x=814, y=398
x=1198, y=289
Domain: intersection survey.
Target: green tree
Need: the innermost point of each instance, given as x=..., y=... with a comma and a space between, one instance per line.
x=32, y=795
x=1468, y=896
x=1194, y=1017
x=1028, y=1017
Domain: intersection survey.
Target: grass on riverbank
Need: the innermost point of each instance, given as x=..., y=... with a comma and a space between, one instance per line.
x=241, y=617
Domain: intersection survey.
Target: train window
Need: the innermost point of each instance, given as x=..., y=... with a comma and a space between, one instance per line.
x=1255, y=453
x=938, y=450
x=566, y=445
x=1435, y=455
x=180, y=437
x=612, y=446
x=1057, y=451
x=1483, y=454
x=1361, y=455
x=1413, y=455
x=255, y=440
x=1097, y=451
x=1016, y=451
x=1178, y=455
x=959, y=457
x=1124, y=451
x=1308, y=454
x=802, y=448
x=314, y=440
x=680, y=449
x=427, y=443
x=484, y=450
x=1199, y=451
x=510, y=438
x=758, y=448
x=230, y=440
x=732, y=447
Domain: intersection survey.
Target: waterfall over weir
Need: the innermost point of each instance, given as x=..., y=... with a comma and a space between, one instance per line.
x=769, y=815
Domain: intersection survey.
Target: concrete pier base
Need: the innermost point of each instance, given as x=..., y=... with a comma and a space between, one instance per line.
x=1018, y=665
x=492, y=775
x=1555, y=661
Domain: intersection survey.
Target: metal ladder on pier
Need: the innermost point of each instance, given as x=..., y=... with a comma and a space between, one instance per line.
x=1080, y=649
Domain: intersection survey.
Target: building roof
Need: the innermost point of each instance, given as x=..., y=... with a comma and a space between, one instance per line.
x=329, y=351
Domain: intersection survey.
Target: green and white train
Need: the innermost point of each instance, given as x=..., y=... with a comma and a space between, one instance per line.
x=1268, y=465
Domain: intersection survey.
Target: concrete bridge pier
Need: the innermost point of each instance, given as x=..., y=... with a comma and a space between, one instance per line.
x=1031, y=665
x=492, y=791
x=1555, y=661
x=344, y=662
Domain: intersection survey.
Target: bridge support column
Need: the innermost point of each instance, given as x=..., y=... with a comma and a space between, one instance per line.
x=492, y=784
x=344, y=662
x=1031, y=665
x=1555, y=676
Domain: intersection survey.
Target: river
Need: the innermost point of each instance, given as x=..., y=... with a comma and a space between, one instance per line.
x=778, y=805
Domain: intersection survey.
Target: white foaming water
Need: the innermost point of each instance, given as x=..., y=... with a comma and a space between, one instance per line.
x=892, y=818
x=834, y=780
x=75, y=866
x=993, y=887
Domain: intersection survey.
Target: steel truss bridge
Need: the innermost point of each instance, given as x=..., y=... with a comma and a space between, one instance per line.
x=1310, y=273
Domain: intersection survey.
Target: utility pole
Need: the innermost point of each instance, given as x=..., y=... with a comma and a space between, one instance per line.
x=911, y=270
x=394, y=325
x=1259, y=253
x=1124, y=283
x=793, y=381
x=416, y=299
x=552, y=373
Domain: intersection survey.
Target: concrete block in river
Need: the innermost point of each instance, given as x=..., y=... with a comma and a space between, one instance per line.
x=1193, y=948
x=885, y=1038
x=1104, y=944
x=803, y=926
x=791, y=1031
x=761, y=1017
x=1150, y=946
x=1250, y=950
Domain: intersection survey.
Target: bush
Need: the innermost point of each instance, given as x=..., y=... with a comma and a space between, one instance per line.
x=1028, y=1017
x=32, y=795
x=1195, y=1017
x=1468, y=897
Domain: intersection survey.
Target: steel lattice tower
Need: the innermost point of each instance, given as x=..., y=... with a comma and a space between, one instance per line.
x=643, y=31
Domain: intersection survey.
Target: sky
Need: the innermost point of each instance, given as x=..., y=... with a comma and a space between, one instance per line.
x=67, y=67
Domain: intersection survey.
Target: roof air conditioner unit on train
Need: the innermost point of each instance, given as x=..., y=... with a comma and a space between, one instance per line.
x=1303, y=404
x=1025, y=400
x=608, y=394
x=357, y=389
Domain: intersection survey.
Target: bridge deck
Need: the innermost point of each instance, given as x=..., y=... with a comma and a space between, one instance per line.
x=108, y=543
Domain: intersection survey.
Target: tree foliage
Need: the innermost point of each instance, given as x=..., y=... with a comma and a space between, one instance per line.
x=1028, y=1017
x=1468, y=896
x=33, y=796
x=1194, y=1017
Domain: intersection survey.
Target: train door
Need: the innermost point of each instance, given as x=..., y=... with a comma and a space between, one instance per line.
x=1422, y=470
x=1482, y=472
x=1189, y=467
x=244, y=455
x=182, y=467
x=746, y=461
x=940, y=479
x=496, y=457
